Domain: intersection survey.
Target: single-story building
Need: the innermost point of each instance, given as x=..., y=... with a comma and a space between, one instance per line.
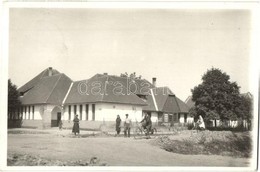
x=52, y=96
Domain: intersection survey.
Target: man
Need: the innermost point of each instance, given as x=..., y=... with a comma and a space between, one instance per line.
x=75, y=128
x=147, y=123
x=127, y=126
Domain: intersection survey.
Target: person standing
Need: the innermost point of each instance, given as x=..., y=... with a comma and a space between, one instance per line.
x=127, y=126
x=60, y=125
x=75, y=128
x=201, y=123
x=118, y=123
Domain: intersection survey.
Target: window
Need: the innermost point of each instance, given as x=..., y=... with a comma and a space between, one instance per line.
x=175, y=117
x=75, y=109
x=33, y=112
x=21, y=112
x=143, y=97
x=29, y=112
x=87, y=112
x=69, y=112
x=25, y=111
x=93, y=112
x=160, y=117
x=80, y=112
x=185, y=118
x=170, y=118
x=166, y=118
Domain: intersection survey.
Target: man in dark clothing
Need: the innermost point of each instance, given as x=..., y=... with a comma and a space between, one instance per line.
x=75, y=128
x=147, y=123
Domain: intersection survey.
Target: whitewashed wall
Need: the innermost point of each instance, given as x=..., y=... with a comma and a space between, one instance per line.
x=29, y=115
x=154, y=117
x=109, y=112
x=181, y=120
x=190, y=119
x=105, y=112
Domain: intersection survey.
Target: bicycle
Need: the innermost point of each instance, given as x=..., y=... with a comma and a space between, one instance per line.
x=139, y=130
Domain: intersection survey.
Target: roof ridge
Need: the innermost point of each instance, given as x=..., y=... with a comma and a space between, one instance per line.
x=154, y=100
x=104, y=90
x=121, y=76
x=187, y=99
x=182, y=102
x=67, y=94
x=53, y=88
x=43, y=73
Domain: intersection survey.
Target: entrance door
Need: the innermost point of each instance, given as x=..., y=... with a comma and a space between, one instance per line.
x=58, y=118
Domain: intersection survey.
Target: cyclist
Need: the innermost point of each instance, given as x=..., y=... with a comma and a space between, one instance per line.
x=147, y=123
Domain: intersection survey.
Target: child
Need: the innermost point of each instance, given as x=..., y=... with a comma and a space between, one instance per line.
x=60, y=125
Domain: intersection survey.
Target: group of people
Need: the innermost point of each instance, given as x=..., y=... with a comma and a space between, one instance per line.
x=145, y=122
x=127, y=125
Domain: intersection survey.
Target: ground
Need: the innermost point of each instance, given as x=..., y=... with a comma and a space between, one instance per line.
x=112, y=151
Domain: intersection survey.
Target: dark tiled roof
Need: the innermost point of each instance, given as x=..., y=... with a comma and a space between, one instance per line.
x=150, y=103
x=105, y=88
x=183, y=107
x=189, y=102
x=247, y=95
x=51, y=90
x=171, y=105
x=29, y=85
x=166, y=101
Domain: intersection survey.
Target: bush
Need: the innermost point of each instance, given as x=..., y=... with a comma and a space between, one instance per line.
x=190, y=126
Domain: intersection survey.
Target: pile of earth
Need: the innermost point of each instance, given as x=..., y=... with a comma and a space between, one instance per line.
x=225, y=143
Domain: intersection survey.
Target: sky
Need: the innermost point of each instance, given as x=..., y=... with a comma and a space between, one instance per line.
x=176, y=46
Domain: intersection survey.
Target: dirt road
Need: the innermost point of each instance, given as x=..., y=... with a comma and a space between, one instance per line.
x=115, y=151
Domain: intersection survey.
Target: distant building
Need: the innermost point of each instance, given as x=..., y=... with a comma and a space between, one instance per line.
x=52, y=96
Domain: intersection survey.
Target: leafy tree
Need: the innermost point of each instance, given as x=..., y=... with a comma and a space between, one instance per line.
x=216, y=97
x=245, y=108
x=13, y=99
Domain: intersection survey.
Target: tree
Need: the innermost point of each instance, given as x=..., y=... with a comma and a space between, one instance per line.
x=245, y=109
x=14, y=103
x=216, y=97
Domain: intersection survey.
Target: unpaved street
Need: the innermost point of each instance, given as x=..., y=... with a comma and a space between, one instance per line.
x=115, y=151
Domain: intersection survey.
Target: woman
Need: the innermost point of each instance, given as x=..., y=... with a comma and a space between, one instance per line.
x=75, y=128
x=202, y=124
x=118, y=123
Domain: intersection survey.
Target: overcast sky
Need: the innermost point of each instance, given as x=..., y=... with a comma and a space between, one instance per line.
x=175, y=46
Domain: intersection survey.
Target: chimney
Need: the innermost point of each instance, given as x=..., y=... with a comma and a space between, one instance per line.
x=50, y=71
x=154, y=82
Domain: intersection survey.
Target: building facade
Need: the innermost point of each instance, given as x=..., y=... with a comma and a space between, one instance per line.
x=52, y=96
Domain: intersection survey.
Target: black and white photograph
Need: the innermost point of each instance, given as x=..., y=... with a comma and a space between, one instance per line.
x=130, y=87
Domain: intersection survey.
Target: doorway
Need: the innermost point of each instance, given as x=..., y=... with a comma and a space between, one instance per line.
x=55, y=116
